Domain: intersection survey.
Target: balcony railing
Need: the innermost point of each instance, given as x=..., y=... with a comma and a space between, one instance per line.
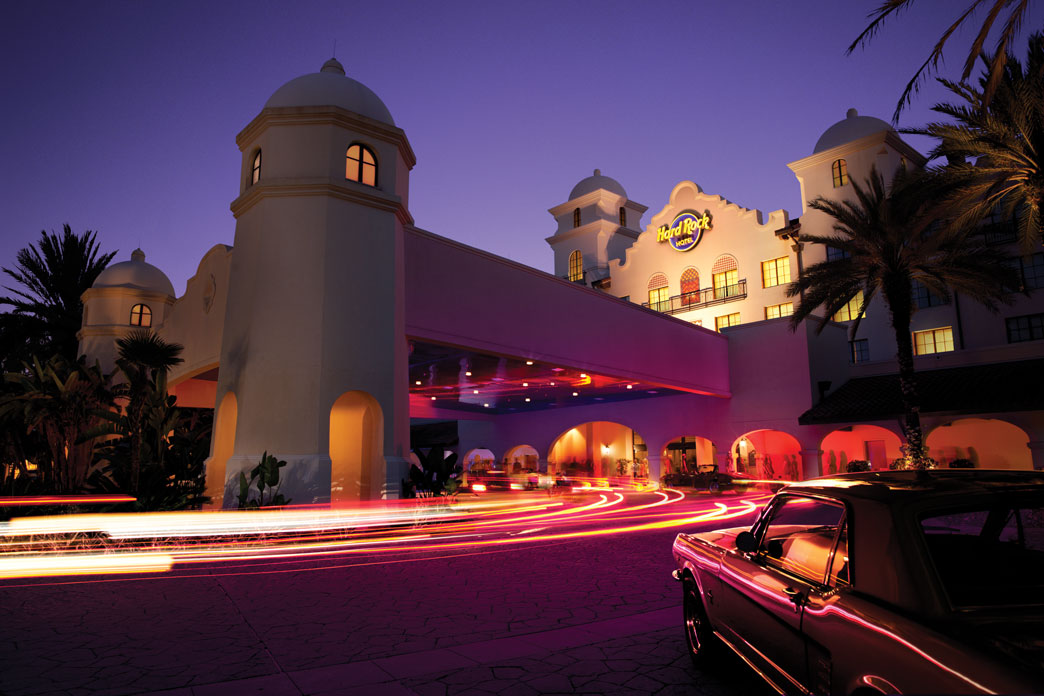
x=697, y=299
x=998, y=233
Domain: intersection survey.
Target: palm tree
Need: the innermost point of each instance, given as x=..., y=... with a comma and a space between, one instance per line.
x=54, y=273
x=1017, y=11
x=144, y=359
x=888, y=239
x=1006, y=135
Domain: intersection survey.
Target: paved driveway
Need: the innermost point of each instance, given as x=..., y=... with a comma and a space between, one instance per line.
x=590, y=614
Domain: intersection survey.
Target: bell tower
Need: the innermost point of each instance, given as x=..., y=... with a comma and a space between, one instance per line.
x=314, y=361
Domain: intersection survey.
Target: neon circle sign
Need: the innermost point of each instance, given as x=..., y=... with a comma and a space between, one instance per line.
x=685, y=231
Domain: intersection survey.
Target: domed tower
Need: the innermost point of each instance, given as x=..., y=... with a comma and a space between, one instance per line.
x=596, y=224
x=314, y=358
x=126, y=296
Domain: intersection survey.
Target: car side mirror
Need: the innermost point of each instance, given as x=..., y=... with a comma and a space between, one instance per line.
x=746, y=542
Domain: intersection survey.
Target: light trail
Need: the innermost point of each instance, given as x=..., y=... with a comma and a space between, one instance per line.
x=100, y=544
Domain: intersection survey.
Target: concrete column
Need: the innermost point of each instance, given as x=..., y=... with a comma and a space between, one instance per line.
x=723, y=461
x=654, y=467
x=1037, y=452
x=811, y=463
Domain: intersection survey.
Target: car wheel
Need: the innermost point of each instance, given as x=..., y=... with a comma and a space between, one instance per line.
x=714, y=486
x=698, y=634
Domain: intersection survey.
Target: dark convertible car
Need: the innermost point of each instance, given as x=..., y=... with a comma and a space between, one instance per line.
x=879, y=583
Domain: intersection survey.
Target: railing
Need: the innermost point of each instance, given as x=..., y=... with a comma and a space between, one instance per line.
x=697, y=299
x=997, y=233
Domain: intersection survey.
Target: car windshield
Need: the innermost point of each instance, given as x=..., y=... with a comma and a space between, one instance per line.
x=989, y=555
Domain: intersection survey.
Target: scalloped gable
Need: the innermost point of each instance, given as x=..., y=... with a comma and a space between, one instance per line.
x=688, y=194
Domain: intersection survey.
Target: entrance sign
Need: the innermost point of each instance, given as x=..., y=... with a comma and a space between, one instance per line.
x=685, y=231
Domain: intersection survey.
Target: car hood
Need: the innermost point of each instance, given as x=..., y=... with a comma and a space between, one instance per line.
x=725, y=538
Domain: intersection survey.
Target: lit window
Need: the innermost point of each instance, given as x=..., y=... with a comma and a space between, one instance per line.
x=933, y=341
x=726, y=284
x=840, y=170
x=623, y=216
x=576, y=217
x=1027, y=328
x=697, y=322
x=361, y=165
x=576, y=266
x=1033, y=271
x=850, y=310
x=659, y=299
x=690, y=286
x=141, y=315
x=775, y=272
x=860, y=350
x=924, y=298
x=255, y=169
x=835, y=254
x=726, y=321
x=780, y=310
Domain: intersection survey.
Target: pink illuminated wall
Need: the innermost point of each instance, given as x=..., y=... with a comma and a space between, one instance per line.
x=991, y=444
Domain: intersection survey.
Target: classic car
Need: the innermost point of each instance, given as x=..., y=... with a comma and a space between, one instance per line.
x=878, y=582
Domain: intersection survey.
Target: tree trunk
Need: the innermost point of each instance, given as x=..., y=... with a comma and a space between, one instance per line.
x=911, y=421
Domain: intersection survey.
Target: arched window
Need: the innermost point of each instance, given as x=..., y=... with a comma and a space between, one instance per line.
x=361, y=165
x=576, y=266
x=659, y=297
x=141, y=315
x=840, y=170
x=255, y=169
x=623, y=216
x=725, y=276
x=690, y=286
x=576, y=217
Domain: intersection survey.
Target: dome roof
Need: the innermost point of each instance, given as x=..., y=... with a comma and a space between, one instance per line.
x=135, y=273
x=595, y=182
x=851, y=127
x=330, y=87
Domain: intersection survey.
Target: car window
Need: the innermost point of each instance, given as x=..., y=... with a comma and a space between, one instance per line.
x=799, y=536
x=989, y=556
x=840, y=568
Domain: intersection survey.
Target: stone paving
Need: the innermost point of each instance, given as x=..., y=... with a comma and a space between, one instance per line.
x=596, y=615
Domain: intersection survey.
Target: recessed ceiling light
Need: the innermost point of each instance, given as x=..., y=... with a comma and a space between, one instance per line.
x=576, y=394
x=468, y=373
x=486, y=405
x=475, y=391
x=529, y=362
x=583, y=375
x=552, y=384
x=418, y=383
x=433, y=398
x=525, y=384
x=630, y=386
x=527, y=399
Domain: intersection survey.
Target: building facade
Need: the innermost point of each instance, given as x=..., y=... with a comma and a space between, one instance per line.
x=334, y=327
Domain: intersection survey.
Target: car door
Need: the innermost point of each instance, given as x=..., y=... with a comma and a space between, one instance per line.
x=764, y=591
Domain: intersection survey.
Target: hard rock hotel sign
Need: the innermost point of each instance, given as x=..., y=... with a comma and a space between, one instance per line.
x=685, y=232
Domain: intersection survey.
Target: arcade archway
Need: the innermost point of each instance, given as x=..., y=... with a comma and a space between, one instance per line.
x=871, y=443
x=988, y=443
x=684, y=455
x=767, y=454
x=479, y=459
x=596, y=448
x=356, y=432
x=522, y=458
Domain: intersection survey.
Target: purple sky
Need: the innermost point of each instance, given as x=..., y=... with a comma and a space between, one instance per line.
x=121, y=117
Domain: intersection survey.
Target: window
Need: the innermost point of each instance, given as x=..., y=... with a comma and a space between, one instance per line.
x=255, y=169
x=726, y=321
x=800, y=537
x=697, y=322
x=775, y=272
x=860, y=350
x=851, y=310
x=361, y=165
x=623, y=216
x=1027, y=328
x=576, y=217
x=725, y=277
x=1033, y=271
x=659, y=299
x=933, y=341
x=840, y=170
x=690, y=286
x=835, y=254
x=923, y=297
x=840, y=570
x=576, y=266
x=141, y=315
x=780, y=310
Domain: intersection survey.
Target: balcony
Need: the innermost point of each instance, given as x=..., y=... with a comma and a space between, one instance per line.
x=997, y=233
x=698, y=299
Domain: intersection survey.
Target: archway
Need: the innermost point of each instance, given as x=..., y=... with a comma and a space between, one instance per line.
x=479, y=459
x=522, y=458
x=222, y=443
x=988, y=443
x=872, y=443
x=767, y=454
x=596, y=448
x=356, y=433
x=684, y=455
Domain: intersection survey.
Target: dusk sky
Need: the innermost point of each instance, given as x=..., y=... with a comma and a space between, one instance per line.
x=121, y=117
